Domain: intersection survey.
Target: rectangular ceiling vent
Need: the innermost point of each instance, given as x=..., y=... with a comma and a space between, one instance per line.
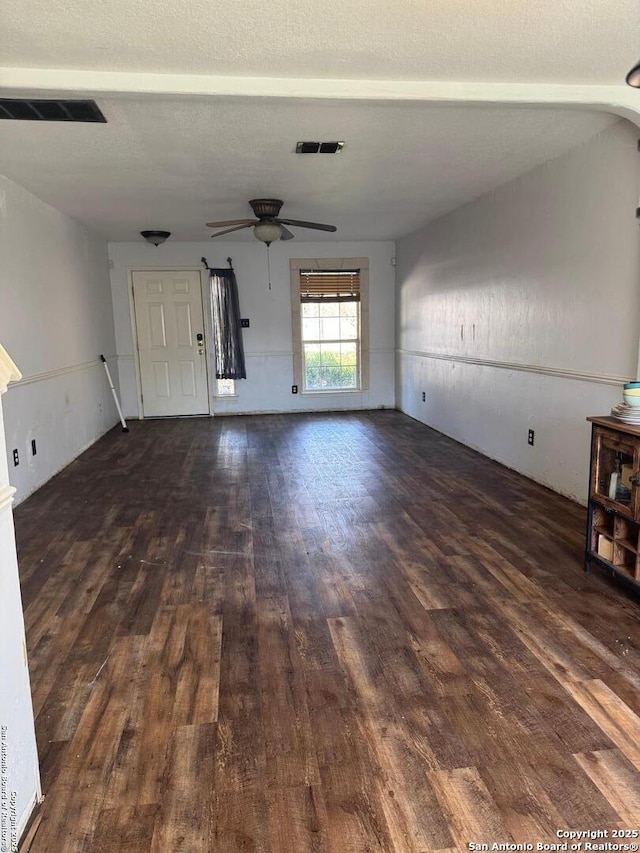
x=27, y=109
x=319, y=147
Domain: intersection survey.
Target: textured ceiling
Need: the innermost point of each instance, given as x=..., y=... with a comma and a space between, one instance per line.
x=560, y=41
x=174, y=161
x=176, y=164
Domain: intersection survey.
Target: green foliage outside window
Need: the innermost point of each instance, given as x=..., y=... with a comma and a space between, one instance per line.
x=328, y=369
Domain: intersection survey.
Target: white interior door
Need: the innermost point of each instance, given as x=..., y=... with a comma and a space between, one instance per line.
x=171, y=343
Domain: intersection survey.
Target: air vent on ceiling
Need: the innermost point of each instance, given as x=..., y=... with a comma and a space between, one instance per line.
x=26, y=109
x=319, y=147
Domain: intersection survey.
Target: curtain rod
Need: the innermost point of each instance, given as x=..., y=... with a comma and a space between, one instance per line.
x=206, y=263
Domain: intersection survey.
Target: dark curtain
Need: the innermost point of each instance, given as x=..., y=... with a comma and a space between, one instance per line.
x=226, y=325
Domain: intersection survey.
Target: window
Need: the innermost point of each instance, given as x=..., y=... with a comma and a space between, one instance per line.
x=225, y=387
x=330, y=314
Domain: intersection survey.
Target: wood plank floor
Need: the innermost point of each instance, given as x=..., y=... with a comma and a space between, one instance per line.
x=338, y=633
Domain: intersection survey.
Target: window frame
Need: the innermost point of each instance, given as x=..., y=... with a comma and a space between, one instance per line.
x=319, y=342
x=222, y=396
x=327, y=264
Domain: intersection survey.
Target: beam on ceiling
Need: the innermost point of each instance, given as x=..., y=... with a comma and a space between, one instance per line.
x=619, y=99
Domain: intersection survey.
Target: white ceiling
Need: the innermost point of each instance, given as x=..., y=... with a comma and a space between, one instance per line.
x=174, y=161
x=560, y=41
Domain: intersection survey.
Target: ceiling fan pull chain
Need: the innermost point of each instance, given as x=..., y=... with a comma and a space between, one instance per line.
x=269, y=265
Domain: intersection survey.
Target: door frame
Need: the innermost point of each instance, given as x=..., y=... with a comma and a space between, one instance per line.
x=207, y=322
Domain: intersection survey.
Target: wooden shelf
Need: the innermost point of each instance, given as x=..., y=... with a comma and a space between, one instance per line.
x=613, y=525
x=615, y=425
x=628, y=544
x=619, y=571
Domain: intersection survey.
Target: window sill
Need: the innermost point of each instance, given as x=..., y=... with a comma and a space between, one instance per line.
x=329, y=393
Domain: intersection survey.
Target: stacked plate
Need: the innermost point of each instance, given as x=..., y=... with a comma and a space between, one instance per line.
x=629, y=411
x=628, y=414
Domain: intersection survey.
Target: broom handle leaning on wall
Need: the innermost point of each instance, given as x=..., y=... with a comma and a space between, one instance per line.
x=125, y=428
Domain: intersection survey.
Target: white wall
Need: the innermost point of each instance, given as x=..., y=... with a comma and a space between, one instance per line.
x=56, y=318
x=268, y=342
x=19, y=774
x=522, y=310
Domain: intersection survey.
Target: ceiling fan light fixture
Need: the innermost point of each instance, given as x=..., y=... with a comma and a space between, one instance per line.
x=633, y=77
x=267, y=226
x=267, y=232
x=155, y=237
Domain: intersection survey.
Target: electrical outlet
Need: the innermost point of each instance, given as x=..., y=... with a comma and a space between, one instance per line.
x=424, y=396
x=294, y=389
x=531, y=437
x=33, y=447
x=244, y=324
x=16, y=458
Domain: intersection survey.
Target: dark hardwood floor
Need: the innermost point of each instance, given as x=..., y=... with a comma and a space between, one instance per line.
x=339, y=633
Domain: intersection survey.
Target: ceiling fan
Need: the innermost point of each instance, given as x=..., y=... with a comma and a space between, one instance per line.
x=267, y=227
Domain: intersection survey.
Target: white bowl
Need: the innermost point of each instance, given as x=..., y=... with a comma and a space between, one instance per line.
x=632, y=400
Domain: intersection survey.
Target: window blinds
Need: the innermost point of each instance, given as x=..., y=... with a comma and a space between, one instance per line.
x=330, y=285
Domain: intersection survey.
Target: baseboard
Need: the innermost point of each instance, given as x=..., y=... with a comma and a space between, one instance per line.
x=477, y=449
x=307, y=411
x=22, y=497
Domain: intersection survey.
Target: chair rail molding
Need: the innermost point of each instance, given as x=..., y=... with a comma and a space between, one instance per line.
x=8, y=370
x=563, y=373
x=60, y=371
x=6, y=498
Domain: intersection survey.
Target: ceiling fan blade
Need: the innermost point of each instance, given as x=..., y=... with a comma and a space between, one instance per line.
x=286, y=234
x=317, y=225
x=229, y=222
x=229, y=230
